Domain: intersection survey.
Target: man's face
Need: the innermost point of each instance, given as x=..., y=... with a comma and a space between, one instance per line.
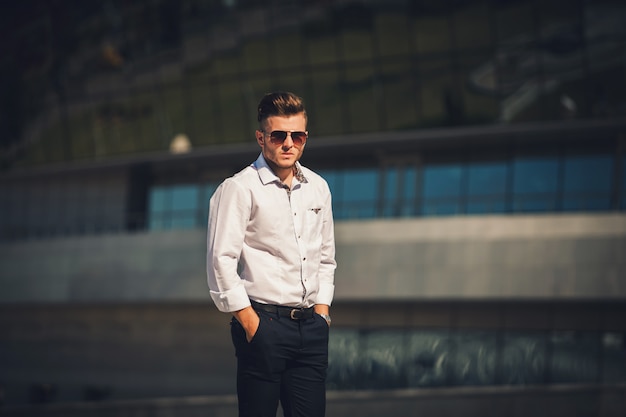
x=281, y=156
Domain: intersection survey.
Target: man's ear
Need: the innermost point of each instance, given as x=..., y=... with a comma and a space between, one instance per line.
x=259, y=138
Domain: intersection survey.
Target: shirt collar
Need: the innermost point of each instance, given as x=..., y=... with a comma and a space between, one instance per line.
x=267, y=175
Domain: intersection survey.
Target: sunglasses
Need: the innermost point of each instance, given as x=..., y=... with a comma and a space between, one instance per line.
x=277, y=137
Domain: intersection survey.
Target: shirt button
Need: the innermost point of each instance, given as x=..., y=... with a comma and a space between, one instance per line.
x=304, y=259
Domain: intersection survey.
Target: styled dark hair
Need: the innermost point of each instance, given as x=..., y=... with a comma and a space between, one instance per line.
x=279, y=104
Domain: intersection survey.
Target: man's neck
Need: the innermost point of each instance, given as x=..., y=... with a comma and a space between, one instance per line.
x=285, y=175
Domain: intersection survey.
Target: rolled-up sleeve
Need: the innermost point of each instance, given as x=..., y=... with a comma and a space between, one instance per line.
x=229, y=211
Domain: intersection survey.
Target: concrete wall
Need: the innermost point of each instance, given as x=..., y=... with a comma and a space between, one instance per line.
x=506, y=257
x=487, y=257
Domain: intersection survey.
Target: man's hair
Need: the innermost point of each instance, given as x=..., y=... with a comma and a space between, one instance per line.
x=279, y=104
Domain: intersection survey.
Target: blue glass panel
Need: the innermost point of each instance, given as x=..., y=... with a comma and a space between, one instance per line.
x=535, y=184
x=390, y=192
x=184, y=221
x=406, y=206
x=588, y=174
x=399, y=192
x=487, y=179
x=407, y=209
x=486, y=188
x=586, y=203
x=587, y=183
x=156, y=222
x=185, y=197
x=442, y=190
x=159, y=200
x=360, y=185
x=391, y=183
x=442, y=181
x=534, y=204
x=532, y=176
x=409, y=183
x=486, y=206
x=357, y=210
x=441, y=208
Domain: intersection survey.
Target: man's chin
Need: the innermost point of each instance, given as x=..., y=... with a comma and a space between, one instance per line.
x=286, y=162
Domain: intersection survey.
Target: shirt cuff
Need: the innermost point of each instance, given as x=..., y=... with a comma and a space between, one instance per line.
x=234, y=300
x=325, y=294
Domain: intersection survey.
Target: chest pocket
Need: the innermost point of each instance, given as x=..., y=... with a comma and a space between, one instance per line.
x=313, y=220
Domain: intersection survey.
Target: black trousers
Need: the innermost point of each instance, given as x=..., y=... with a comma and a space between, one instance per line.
x=285, y=361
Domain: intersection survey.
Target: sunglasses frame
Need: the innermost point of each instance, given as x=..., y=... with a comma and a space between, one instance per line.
x=296, y=142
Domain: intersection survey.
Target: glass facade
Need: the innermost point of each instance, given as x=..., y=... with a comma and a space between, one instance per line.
x=486, y=188
x=535, y=184
x=147, y=73
x=179, y=206
x=587, y=183
x=516, y=185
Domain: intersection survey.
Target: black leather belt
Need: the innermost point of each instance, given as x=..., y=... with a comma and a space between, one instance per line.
x=293, y=313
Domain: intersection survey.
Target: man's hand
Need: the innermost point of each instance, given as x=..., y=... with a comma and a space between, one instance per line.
x=322, y=309
x=249, y=320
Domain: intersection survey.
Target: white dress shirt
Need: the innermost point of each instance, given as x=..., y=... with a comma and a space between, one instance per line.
x=269, y=243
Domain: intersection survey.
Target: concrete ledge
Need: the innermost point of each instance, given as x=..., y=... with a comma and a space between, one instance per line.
x=549, y=256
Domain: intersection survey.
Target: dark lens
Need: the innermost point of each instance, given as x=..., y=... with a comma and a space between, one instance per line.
x=298, y=137
x=278, y=136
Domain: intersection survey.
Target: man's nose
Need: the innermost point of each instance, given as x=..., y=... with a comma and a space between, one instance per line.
x=288, y=142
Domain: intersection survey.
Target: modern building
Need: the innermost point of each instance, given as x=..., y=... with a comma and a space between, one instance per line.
x=476, y=151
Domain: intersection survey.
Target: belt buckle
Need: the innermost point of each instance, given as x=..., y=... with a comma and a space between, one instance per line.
x=292, y=314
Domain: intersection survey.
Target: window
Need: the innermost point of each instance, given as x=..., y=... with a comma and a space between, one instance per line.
x=182, y=206
x=587, y=183
x=535, y=184
x=390, y=191
x=399, y=192
x=158, y=205
x=355, y=192
x=486, y=188
x=442, y=190
x=359, y=194
x=184, y=200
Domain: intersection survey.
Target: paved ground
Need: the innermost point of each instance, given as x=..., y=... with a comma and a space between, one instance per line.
x=552, y=401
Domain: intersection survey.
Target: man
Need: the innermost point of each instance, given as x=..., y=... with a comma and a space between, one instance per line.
x=271, y=263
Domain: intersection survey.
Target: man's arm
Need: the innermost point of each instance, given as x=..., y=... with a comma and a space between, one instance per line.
x=328, y=264
x=326, y=272
x=228, y=216
x=249, y=320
